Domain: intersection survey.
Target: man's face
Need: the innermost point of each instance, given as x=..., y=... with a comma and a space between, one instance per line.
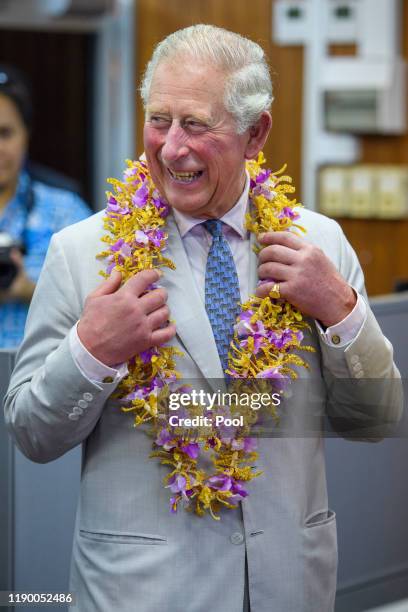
x=13, y=142
x=195, y=156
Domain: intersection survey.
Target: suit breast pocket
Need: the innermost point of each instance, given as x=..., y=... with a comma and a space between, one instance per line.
x=141, y=539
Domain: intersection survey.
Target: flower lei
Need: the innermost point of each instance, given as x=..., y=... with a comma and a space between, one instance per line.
x=266, y=335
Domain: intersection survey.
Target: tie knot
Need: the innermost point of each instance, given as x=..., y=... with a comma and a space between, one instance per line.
x=214, y=227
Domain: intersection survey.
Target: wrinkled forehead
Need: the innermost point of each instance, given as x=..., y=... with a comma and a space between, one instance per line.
x=180, y=82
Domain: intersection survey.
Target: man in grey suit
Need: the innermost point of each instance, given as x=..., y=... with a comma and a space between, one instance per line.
x=207, y=94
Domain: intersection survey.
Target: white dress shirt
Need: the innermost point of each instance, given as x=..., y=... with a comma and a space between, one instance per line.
x=197, y=242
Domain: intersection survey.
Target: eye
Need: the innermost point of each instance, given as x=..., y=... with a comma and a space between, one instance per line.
x=195, y=126
x=159, y=121
x=6, y=132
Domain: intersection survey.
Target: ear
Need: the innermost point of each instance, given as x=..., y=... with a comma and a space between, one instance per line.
x=258, y=134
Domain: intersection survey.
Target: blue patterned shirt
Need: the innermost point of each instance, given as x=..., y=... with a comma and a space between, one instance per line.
x=52, y=209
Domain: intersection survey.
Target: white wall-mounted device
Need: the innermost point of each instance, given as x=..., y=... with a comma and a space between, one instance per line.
x=366, y=96
x=344, y=96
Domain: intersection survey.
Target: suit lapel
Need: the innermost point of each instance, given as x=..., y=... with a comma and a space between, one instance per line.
x=184, y=301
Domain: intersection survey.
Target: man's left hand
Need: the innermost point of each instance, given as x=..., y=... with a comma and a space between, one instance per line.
x=307, y=278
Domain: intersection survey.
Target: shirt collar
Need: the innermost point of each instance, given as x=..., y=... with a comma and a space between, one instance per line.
x=234, y=218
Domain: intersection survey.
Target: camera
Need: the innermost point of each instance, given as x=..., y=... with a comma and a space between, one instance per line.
x=8, y=269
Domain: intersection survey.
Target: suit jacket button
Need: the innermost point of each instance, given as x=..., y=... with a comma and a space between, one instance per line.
x=73, y=417
x=237, y=538
x=88, y=397
x=82, y=403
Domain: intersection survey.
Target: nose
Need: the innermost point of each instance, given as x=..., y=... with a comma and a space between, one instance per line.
x=175, y=144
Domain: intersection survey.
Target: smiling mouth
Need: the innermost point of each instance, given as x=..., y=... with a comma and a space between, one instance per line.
x=185, y=177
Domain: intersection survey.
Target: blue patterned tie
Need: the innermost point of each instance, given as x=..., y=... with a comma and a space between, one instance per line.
x=222, y=295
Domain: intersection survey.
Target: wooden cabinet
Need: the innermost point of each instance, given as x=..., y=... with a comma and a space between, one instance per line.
x=382, y=248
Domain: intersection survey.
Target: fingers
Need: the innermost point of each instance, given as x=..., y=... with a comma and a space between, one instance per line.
x=287, y=239
x=108, y=286
x=159, y=317
x=153, y=300
x=278, y=258
x=163, y=335
x=140, y=282
x=278, y=253
x=275, y=271
x=263, y=291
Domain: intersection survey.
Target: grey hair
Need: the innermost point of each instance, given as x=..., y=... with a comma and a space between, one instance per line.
x=248, y=86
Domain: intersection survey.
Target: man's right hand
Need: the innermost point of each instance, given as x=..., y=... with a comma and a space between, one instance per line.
x=120, y=322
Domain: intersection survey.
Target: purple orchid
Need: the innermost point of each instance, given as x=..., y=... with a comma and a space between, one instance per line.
x=122, y=247
x=143, y=392
x=288, y=213
x=262, y=190
x=132, y=171
x=263, y=176
x=174, y=500
x=165, y=439
x=223, y=482
x=191, y=449
x=220, y=482
x=161, y=206
x=238, y=492
x=211, y=442
x=281, y=338
x=141, y=196
x=244, y=328
x=141, y=237
x=258, y=342
x=177, y=483
x=155, y=236
x=114, y=207
x=126, y=250
x=146, y=356
x=270, y=373
x=117, y=245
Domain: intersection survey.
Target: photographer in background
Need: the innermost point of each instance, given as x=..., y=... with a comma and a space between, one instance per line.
x=31, y=210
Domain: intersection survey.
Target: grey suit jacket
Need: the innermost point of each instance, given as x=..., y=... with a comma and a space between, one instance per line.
x=129, y=552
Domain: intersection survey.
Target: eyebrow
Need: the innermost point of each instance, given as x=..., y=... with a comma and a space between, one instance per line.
x=207, y=119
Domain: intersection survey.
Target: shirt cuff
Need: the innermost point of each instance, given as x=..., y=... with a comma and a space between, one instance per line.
x=346, y=331
x=93, y=369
